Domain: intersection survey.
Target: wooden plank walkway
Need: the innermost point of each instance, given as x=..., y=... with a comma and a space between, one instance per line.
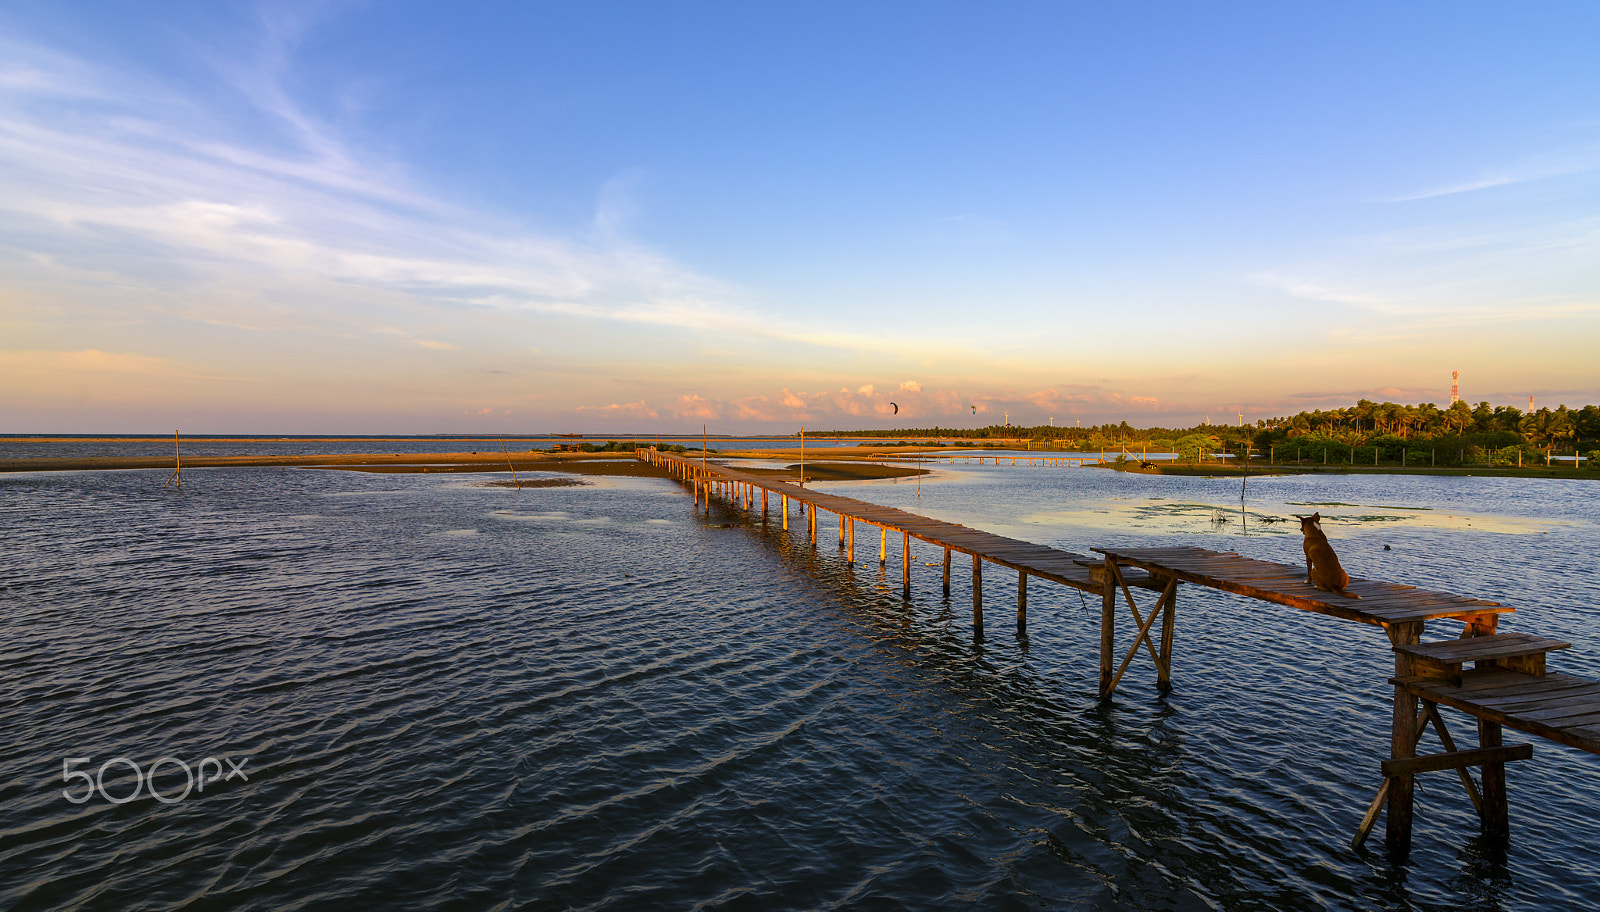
x=1062, y=567
x=1561, y=707
x=1507, y=688
x=1381, y=604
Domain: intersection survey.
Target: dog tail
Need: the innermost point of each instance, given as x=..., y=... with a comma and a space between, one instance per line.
x=1348, y=594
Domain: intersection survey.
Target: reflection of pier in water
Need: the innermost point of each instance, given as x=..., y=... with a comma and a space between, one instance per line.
x=1507, y=687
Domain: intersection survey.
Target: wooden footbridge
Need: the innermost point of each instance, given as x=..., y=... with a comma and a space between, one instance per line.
x=1506, y=687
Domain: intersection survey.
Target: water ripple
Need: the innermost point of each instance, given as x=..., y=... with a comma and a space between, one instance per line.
x=601, y=700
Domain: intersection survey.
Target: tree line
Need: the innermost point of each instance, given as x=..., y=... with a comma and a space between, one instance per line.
x=1365, y=432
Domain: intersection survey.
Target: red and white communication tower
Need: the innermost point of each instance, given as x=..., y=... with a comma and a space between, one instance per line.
x=1455, y=392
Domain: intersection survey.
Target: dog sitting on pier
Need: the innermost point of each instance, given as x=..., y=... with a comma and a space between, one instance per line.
x=1322, y=565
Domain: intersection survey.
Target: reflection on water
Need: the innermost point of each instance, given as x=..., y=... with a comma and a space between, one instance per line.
x=1157, y=516
x=593, y=698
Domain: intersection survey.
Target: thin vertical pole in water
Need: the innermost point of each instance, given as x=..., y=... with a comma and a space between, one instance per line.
x=177, y=464
x=783, y=507
x=946, y=571
x=850, y=550
x=509, y=465
x=802, y=457
x=883, y=544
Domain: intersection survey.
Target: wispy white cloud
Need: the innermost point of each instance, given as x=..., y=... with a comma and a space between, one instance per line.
x=1316, y=290
x=99, y=168
x=1535, y=168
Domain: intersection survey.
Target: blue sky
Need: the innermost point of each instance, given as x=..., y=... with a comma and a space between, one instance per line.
x=523, y=217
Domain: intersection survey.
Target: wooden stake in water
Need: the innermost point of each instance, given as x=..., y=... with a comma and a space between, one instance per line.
x=514, y=468
x=176, y=479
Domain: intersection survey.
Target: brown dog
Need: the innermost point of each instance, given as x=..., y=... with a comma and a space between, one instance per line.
x=1322, y=565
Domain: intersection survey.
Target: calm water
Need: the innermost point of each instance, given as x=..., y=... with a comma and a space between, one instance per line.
x=453, y=696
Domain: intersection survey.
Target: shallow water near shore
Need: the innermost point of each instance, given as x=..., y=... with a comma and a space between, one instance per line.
x=458, y=696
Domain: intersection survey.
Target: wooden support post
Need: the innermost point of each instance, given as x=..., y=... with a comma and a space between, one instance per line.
x=1371, y=816
x=905, y=564
x=1496, y=814
x=977, y=595
x=850, y=549
x=947, y=571
x=1143, y=635
x=1402, y=745
x=763, y=501
x=1022, y=602
x=811, y=522
x=883, y=544
x=1457, y=760
x=1168, y=625
x=783, y=507
x=1108, y=625
x=1430, y=710
x=842, y=521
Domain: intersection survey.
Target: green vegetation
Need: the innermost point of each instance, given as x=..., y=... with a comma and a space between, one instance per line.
x=1365, y=434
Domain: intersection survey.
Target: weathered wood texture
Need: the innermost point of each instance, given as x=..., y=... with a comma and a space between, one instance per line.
x=1042, y=561
x=1560, y=707
x=1381, y=604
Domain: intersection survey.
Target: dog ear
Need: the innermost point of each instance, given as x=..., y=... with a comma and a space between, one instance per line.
x=1316, y=517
